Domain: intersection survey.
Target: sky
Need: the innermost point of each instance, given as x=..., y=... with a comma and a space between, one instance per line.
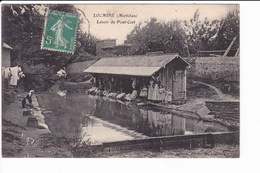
x=142, y=13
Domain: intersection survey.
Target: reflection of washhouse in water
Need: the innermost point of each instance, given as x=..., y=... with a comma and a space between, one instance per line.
x=163, y=123
x=146, y=121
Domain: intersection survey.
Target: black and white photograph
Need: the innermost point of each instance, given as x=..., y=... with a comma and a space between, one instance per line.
x=120, y=80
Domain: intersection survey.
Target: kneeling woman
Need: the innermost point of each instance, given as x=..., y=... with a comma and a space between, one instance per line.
x=28, y=98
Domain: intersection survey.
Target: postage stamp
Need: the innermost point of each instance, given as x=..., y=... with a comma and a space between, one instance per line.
x=60, y=31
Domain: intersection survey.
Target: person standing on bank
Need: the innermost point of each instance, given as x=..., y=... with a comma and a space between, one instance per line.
x=28, y=98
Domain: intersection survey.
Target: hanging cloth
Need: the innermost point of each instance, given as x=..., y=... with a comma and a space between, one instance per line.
x=14, y=77
x=6, y=73
x=161, y=94
x=168, y=96
x=150, y=93
x=155, y=92
x=150, y=90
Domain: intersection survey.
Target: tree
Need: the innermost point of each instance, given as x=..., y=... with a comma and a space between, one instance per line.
x=87, y=43
x=229, y=28
x=200, y=35
x=155, y=36
x=174, y=37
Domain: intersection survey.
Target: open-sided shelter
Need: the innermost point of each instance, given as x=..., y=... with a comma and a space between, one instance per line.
x=169, y=69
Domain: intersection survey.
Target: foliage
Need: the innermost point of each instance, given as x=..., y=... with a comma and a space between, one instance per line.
x=22, y=29
x=86, y=43
x=8, y=97
x=185, y=37
x=200, y=35
x=230, y=28
x=155, y=36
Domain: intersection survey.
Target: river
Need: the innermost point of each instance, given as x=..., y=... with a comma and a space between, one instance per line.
x=99, y=119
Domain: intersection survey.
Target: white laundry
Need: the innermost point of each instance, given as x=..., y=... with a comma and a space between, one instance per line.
x=6, y=73
x=61, y=73
x=14, y=75
x=62, y=93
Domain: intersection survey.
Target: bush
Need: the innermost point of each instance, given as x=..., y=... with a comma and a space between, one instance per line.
x=8, y=97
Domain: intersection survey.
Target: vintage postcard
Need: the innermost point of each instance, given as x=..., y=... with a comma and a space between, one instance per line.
x=120, y=80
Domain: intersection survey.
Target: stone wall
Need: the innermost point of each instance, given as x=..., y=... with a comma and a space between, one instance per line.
x=207, y=140
x=158, y=143
x=216, y=68
x=224, y=106
x=229, y=138
x=226, y=110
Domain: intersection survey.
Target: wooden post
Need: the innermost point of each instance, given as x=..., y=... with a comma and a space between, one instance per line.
x=184, y=84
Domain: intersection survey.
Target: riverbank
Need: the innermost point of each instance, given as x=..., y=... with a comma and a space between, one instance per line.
x=19, y=141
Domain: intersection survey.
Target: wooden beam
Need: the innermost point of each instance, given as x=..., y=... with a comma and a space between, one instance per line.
x=211, y=51
x=214, y=55
x=230, y=46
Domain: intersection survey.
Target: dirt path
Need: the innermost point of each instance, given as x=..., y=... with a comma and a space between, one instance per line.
x=220, y=95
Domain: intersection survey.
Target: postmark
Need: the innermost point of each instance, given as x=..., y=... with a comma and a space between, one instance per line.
x=60, y=31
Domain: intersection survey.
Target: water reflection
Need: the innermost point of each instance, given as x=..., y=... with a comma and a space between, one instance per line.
x=145, y=120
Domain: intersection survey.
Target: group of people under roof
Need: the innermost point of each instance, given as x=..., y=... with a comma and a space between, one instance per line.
x=131, y=88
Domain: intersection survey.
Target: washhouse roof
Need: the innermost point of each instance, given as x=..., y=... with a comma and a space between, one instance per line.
x=142, y=65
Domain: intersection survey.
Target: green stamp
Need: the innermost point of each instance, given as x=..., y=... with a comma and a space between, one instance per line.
x=60, y=31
